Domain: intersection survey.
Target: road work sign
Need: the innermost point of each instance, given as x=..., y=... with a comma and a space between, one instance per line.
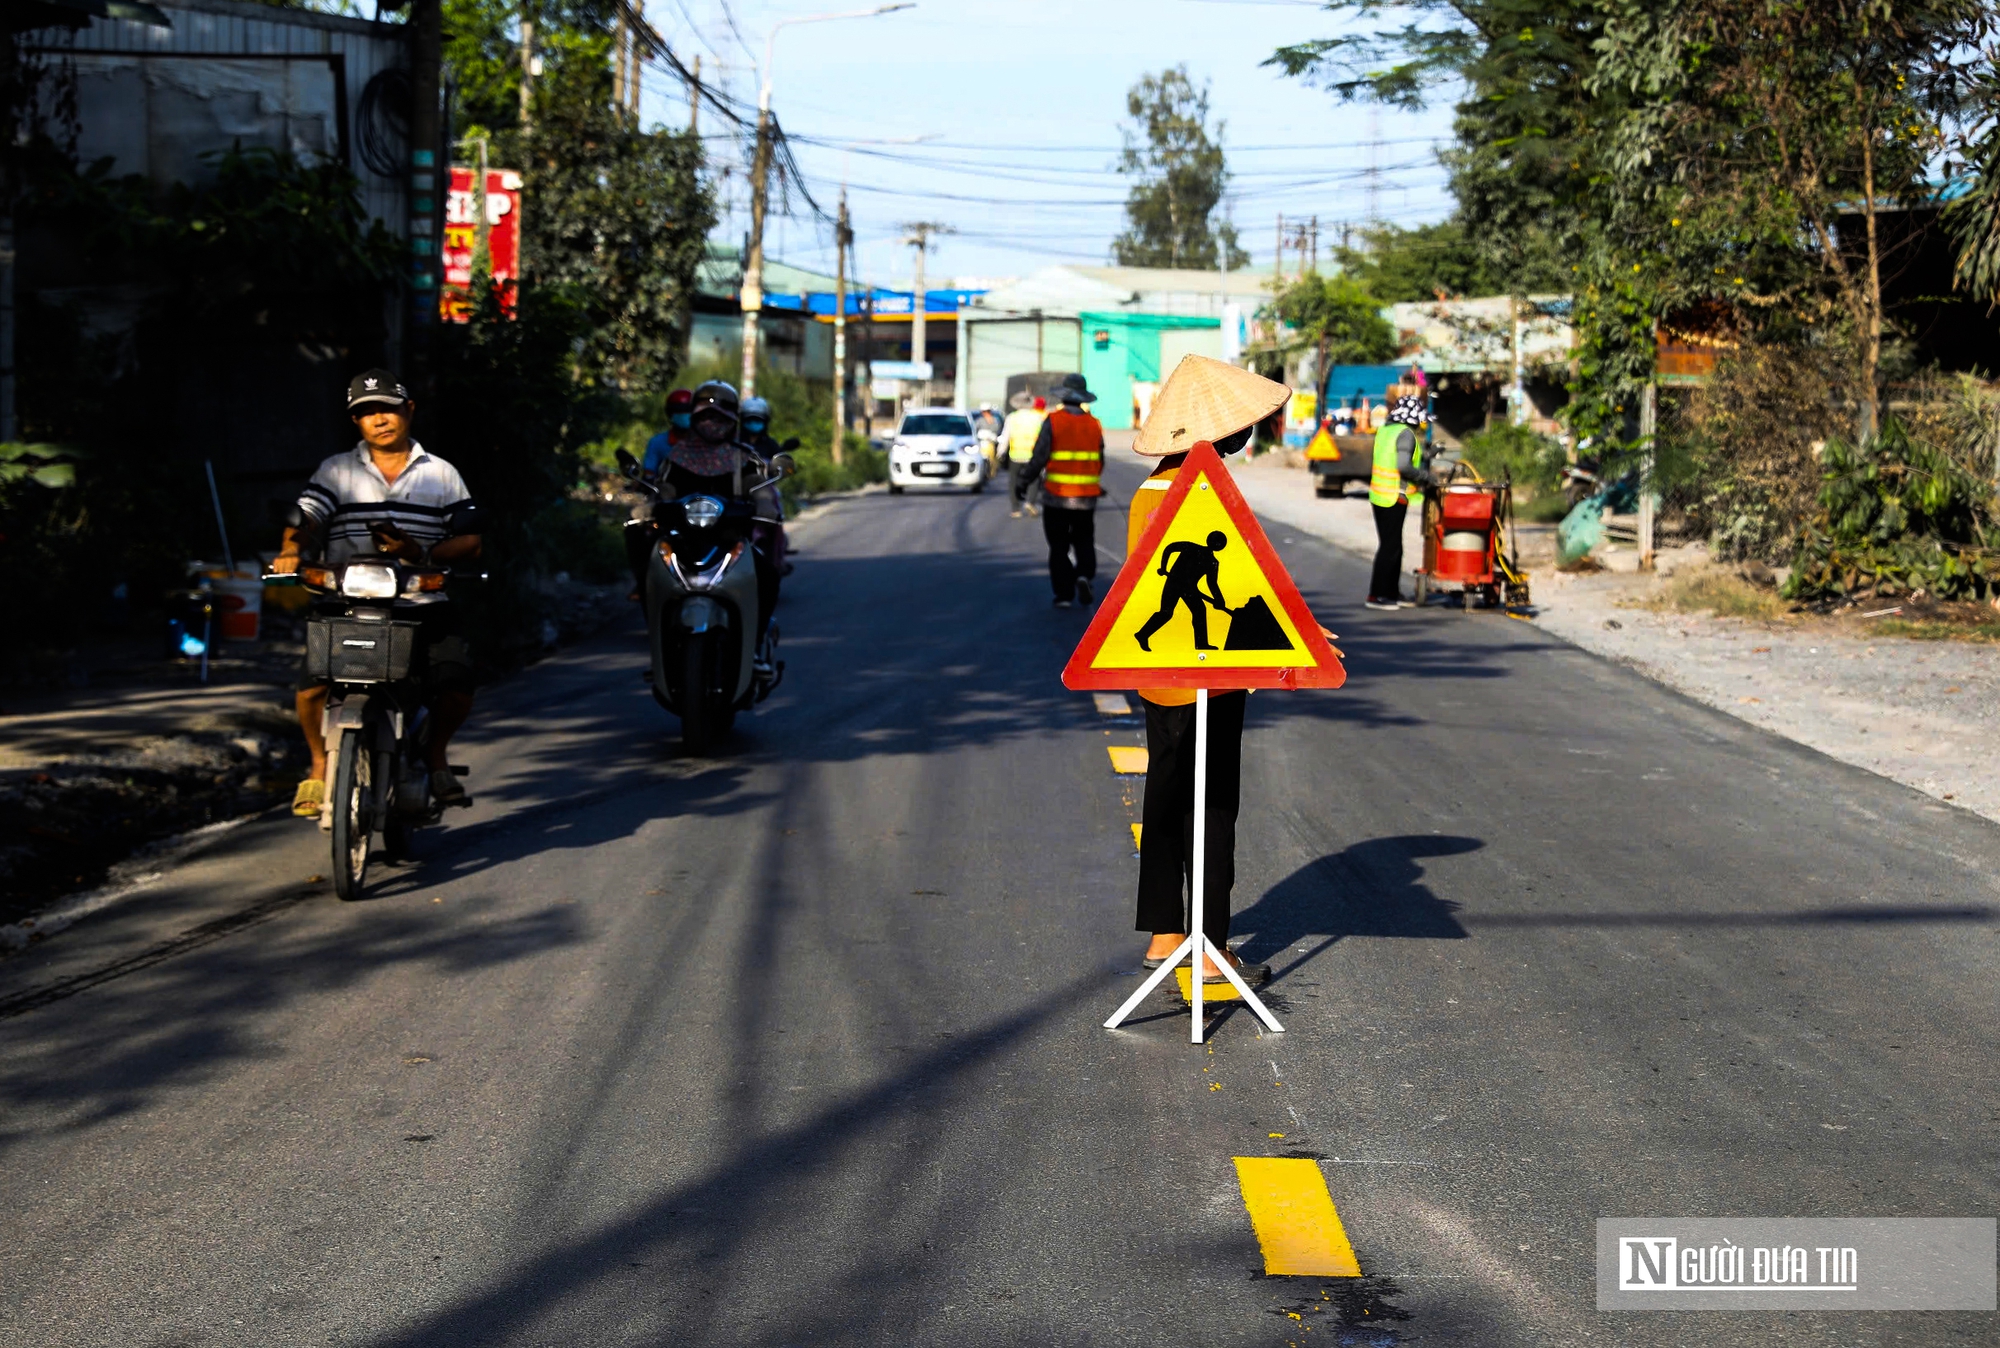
x=1203, y=602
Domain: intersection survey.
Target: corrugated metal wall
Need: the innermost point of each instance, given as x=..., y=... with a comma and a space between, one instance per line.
x=1000, y=347
x=153, y=100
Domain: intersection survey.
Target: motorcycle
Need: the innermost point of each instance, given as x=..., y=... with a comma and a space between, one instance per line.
x=376, y=725
x=708, y=660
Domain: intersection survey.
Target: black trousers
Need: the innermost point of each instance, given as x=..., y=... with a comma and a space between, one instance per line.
x=1069, y=532
x=1020, y=485
x=1385, y=583
x=1166, y=843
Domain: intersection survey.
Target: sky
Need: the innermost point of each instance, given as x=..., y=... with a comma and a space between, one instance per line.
x=1019, y=103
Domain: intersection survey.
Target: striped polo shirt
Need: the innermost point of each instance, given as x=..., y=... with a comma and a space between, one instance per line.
x=348, y=494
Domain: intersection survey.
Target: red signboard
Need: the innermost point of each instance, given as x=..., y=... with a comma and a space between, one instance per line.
x=461, y=240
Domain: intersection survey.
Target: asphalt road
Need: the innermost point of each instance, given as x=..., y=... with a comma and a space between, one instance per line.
x=801, y=1045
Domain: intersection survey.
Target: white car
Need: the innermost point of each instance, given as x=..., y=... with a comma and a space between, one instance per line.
x=936, y=447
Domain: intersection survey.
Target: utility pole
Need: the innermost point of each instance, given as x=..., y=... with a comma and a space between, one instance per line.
x=632, y=84
x=1278, y=257
x=527, y=63
x=843, y=237
x=867, y=377
x=919, y=236
x=621, y=43
x=428, y=180
x=752, y=293
x=1649, y=425
x=751, y=296
x=694, y=99
x=1313, y=266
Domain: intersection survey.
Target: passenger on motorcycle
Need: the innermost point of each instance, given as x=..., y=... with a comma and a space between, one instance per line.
x=679, y=404
x=756, y=418
x=713, y=461
x=387, y=495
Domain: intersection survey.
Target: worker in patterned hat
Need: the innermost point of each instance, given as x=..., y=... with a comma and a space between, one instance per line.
x=1397, y=478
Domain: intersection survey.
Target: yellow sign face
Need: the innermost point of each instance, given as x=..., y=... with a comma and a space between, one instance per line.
x=1202, y=601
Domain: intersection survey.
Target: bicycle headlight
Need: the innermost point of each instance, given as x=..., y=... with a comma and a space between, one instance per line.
x=368, y=581
x=703, y=512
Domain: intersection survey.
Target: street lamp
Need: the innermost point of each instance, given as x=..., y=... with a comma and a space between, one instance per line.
x=760, y=172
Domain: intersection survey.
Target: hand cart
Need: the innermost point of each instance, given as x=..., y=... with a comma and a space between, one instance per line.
x=1469, y=542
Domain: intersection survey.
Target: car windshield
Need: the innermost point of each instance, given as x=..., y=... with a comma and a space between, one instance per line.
x=936, y=425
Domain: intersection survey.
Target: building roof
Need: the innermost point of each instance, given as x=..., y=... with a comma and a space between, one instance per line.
x=720, y=274
x=1068, y=290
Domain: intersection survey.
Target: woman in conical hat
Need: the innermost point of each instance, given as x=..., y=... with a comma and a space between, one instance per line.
x=1201, y=400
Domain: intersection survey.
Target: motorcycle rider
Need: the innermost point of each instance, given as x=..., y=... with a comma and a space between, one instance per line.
x=712, y=461
x=986, y=425
x=388, y=495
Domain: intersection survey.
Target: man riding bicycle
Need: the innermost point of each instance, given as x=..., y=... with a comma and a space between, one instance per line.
x=388, y=496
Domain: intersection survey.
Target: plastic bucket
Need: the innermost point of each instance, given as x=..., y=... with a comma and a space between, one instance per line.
x=1462, y=557
x=239, y=606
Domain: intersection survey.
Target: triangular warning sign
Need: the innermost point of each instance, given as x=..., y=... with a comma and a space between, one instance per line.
x=1203, y=601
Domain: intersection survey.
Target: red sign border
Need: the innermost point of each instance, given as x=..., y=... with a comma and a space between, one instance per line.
x=1326, y=672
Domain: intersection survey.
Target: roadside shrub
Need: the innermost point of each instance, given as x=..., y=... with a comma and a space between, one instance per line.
x=1746, y=445
x=1531, y=459
x=1898, y=514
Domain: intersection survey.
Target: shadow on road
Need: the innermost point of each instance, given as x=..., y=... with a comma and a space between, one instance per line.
x=748, y=1198
x=1371, y=888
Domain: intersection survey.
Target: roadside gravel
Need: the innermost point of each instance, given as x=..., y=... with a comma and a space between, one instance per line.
x=1918, y=712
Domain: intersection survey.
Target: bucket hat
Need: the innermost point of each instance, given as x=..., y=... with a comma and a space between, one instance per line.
x=1073, y=389
x=1205, y=399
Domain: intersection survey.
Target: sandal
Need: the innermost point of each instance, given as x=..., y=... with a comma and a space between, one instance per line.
x=307, y=800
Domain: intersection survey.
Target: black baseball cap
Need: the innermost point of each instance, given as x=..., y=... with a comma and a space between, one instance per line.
x=376, y=386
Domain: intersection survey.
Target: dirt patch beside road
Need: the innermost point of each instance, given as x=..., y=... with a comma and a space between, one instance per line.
x=1919, y=712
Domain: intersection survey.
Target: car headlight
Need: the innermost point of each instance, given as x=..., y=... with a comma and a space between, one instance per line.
x=703, y=511
x=369, y=581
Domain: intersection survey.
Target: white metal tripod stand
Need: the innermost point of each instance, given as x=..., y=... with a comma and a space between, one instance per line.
x=1197, y=940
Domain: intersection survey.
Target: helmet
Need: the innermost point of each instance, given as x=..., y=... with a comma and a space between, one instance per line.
x=756, y=409
x=712, y=400
x=680, y=400
x=715, y=393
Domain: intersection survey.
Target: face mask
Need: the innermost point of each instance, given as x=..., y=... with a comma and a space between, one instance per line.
x=754, y=427
x=679, y=421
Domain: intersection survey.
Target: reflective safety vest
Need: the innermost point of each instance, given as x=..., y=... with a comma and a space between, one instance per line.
x=1385, y=484
x=1024, y=424
x=1076, y=456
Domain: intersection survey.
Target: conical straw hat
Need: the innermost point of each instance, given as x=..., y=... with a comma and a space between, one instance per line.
x=1205, y=399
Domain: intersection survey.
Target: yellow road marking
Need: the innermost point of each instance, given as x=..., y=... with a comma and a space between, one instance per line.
x=1210, y=992
x=1127, y=758
x=1137, y=829
x=1112, y=704
x=1297, y=1227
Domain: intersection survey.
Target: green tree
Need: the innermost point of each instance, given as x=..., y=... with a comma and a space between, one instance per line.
x=1337, y=318
x=1525, y=116
x=1399, y=265
x=1181, y=174
x=1761, y=131
x=615, y=214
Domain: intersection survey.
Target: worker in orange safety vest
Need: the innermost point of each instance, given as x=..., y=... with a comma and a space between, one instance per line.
x=1069, y=458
